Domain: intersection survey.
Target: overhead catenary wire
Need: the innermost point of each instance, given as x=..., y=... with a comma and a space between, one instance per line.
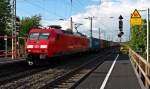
x=40, y=7
x=78, y=3
x=74, y=5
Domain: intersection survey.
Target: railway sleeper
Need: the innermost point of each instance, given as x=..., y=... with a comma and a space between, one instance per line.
x=81, y=74
x=66, y=83
x=64, y=86
x=76, y=77
x=60, y=86
x=70, y=81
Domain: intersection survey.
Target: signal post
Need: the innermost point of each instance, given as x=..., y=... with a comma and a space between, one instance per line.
x=120, y=27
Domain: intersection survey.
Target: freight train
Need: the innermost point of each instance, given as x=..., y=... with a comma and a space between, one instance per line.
x=46, y=43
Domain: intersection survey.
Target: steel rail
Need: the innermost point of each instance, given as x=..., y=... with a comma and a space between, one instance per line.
x=70, y=78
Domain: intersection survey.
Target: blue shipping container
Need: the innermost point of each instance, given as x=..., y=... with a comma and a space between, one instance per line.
x=95, y=44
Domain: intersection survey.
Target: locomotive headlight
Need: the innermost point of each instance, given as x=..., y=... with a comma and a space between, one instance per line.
x=29, y=50
x=29, y=46
x=43, y=46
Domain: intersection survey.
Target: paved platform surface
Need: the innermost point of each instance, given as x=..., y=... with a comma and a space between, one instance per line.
x=122, y=75
x=9, y=60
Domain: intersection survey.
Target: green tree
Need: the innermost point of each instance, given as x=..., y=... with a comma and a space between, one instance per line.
x=5, y=15
x=29, y=23
x=5, y=10
x=138, y=41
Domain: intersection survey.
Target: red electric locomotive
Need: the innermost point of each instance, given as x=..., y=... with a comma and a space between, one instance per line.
x=46, y=43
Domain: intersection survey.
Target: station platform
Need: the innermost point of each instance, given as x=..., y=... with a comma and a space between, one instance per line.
x=114, y=73
x=9, y=60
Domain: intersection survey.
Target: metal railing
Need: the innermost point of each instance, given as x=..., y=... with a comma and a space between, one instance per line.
x=142, y=67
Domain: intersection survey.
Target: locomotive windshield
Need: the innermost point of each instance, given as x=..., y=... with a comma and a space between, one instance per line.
x=33, y=36
x=43, y=36
x=39, y=36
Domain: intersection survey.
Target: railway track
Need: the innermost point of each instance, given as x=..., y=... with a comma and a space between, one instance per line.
x=71, y=79
x=39, y=77
x=11, y=76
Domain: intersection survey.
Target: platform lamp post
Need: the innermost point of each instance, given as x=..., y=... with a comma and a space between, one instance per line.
x=147, y=48
x=147, y=71
x=148, y=36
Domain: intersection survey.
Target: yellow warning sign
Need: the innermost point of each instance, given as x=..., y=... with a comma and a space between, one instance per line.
x=135, y=14
x=135, y=21
x=135, y=18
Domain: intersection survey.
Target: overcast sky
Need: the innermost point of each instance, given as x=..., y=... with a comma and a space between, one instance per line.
x=105, y=13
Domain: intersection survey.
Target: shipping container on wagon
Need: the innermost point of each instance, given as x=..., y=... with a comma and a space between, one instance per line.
x=111, y=43
x=103, y=42
x=95, y=44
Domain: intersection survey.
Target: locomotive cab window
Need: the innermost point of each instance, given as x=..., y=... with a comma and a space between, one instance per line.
x=39, y=36
x=44, y=36
x=34, y=36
